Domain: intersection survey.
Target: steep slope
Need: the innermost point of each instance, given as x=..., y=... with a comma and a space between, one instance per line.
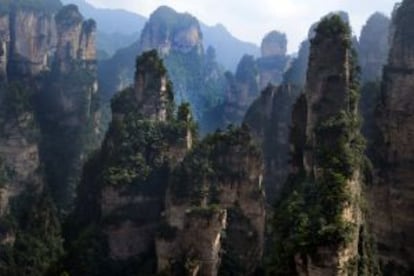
x=240, y=91
x=273, y=61
x=67, y=104
x=214, y=204
x=152, y=196
x=372, y=52
x=391, y=197
x=269, y=119
x=39, y=40
x=319, y=223
x=112, y=37
x=373, y=47
x=36, y=45
x=126, y=181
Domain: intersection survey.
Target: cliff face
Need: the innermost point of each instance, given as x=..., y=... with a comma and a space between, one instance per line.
x=373, y=51
x=269, y=118
x=19, y=149
x=321, y=201
x=29, y=39
x=33, y=39
x=134, y=233
x=167, y=32
x=151, y=198
x=391, y=197
x=129, y=175
x=215, y=203
x=374, y=46
x=329, y=92
x=76, y=40
x=152, y=90
x=273, y=62
x=47, y=91
x=66, y=102
x=241, y=90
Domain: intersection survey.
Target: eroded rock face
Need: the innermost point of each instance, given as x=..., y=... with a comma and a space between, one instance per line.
x=391, y=198
x=32, y=41
x=328, y=93
x=67, y=103
x=146, y=139
x=274, y=44
x=374, y=46
x=274, y=61
x=31, y=89
x=51, y=52
x=76, y=40
x=169, y=31
x=241, y=90
x=269, y=118
x=204, y=203
x=139, y=209
x=152, y=89
x=325, y=184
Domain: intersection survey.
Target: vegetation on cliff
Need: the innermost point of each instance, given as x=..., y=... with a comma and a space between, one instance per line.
x=310, y=213
x=204, y=164
x=220, y=176
x=137, y=156
x=37, y=237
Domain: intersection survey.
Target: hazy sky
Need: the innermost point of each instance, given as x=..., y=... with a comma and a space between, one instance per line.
x=250, y=20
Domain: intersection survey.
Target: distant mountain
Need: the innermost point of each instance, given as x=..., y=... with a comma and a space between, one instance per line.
x=229, y=49
x=116, y=28
x=112, y=37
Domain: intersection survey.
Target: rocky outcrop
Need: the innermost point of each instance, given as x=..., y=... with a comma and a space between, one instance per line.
x=373, y=47
x=167, y=31
x=215, y=203
x=28, y=41
x=154, y=199
x=152, y=89
x=296, y=72
x=274, y=44
x=269, y=119
x=391, y=197
x=44, y=112
x=241, y=90
x=67, y=103
x=76, y=40
x=32, y=39
x=195, y=248
x=326, y=182
x=151, y=100
x=274, y=61
x=373, y=51
x=146, y=139
x=330, y=95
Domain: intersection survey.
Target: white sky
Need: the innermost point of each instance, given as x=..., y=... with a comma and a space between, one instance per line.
x=250, y=20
